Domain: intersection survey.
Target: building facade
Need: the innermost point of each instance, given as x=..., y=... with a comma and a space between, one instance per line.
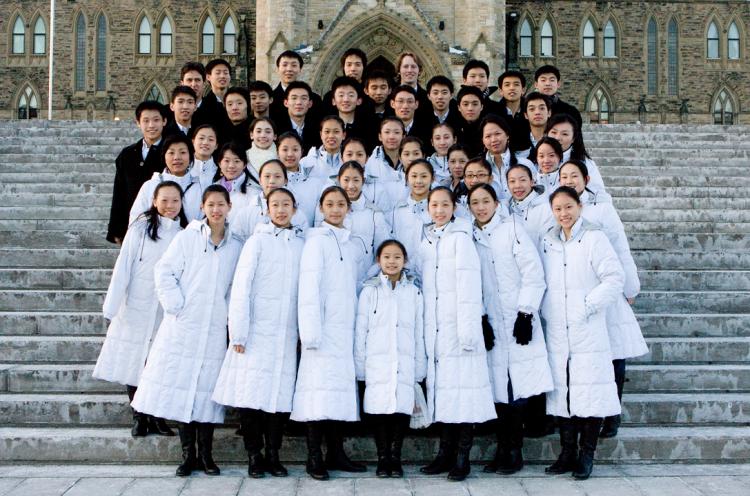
x=622, y=61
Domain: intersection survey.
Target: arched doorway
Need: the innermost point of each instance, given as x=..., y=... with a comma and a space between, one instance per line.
x=381, y=64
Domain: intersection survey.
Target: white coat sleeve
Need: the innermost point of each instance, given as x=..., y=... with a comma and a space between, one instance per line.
x=312, y=267
x=532, y=272
x=596, y=183
x=361, y=329
x=420, y=359
x=608, y=270
x=167, y=275
x=382, y=229
x=468, y=293
x=242, y=288
x=118, y=284
x=142, y=201
x=615, y=231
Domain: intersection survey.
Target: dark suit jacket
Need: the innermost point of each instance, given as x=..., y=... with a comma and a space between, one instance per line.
x=561, y=107
x=311, y=131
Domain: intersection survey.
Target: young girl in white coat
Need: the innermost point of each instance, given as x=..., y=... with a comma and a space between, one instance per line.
x=204, y=145
x=260, y=367
x=443, y=138
x=389, y=353
x=263, y=148
x=496, y=134
x=131, y=304
x=234, y=176
x=193, y=281
x=459, y=393
x=529, y=204
x=584, y=278
x=547, y=156
x=625, y=336
x=565, y=129
x=410, y=216
x=512, y=290
x=325, y=395
x=300, y=180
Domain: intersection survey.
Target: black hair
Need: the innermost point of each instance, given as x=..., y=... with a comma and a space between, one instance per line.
x=403, y=88
x=151, y=105
x=354, y=139
x=565, y=190
x=260, y=86
x=422, y=162
x=476, y=64
x=579, y=149
x=215, y=188
x=335, y=118
x=498, y=121
x=290, y=135
x=546, y=140
x=205, y=126
x=547, y=69
x=356, y=52
x=175, y=139
x=410, y=139
x=152, y=214
x=481, y=161
x=297, y=85
x=237, y=150
x=193, y=66
x=258, y=120
x=333, y=189
x=443, y=124
x=372, y=75
x=213, y=63
x=469, y=90
x=282, y=190
x=290, y=54
x=343, y=81
x=442, y=188
x=535, y=95
x=390, y=118
x=351, y=165
x=579, y=164
x=238, y=90
x=511, y=74
x=487, y=187
x=458, y=147
x=391, y=242
x=440, y=80
x=271, y=162
x=182, y=90
x=525, y=168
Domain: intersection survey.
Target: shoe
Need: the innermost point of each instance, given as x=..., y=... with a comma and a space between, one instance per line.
x=336, y=457
x=315, y=466
x=382, y=445
x=399, y=432
x=187, y=441
x=140, y=425
x=273, y=465
x=589, y=428
x=501, y=451
x=610, y=427
x=462, y=468
x=446, y=456
x=255, y=466
x=513, y=439
x=159, y=427
x=567, y=461
x=274, y=434
x=251, y=426
x=205, y=449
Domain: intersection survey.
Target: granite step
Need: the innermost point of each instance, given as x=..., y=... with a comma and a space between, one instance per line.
x=51, y=300
x=693, y=280
x=59, y=257
x=44, y=349
x=90, y=279
x=687, y=241
x=95, y=238
x=689, y=260
x=53, y=323
x=692, y=301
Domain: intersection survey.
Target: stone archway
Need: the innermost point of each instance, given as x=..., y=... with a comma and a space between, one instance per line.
x=379, y=35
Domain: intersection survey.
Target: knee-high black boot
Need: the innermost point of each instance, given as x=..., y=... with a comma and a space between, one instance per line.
x=336, y=457
x=567, y=461
x=251, y=426
x=315, y=466
x=589, y=428
x=513, y=436
x=140, y=420
x=187, y=441
x=465, y=441
x=446, y=455
x=382, y=444
x=399, y=426
x=612, y=424
x=274, y=433
x=206, y=448
x=501, y=450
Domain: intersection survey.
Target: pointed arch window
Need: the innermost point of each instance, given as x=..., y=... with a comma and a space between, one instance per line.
x=144, y=36
x=208, y=36
x=589, y=40
x=599, y=108
x=733, y=42
x=527, y=36
x=610, y=40
x=723, y=109
x=165, y=37
x=229, y=41
x=712, y=41
x=80, y=67
x=651, y=62
x=155, y=94
x=101, y=53
x=547, y=39
x=19, y=37
x=28, y=104
x=673, y=59
x=40, y=37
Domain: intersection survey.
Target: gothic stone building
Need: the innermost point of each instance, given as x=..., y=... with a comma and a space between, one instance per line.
x=622, y=61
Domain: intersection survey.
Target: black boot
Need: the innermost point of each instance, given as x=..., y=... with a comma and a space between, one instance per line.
x=612, y=424
x=567, y=461
x=382, y=444
x=336, y=458
x=513, y=436
x=536, y=421
x=589, y=428
x=187, y=441
x=465, y=441
x=205, y=448
x=274, y=433
x=140, y=425
x=251, y=425
x=159, y=426
x=501, y=450
x=399, y=426
x=610, y=427
x=315, y=466
x=446, y=456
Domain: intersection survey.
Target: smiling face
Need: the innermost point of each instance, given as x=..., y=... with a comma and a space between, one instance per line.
x=151, y=125
x=391, y=260
x=419, y=180
x=263, y=135
x=475, y=173
x=456, y=162
x=409, y=153
x=352, y=181
x=566, y=210
x=512, y=89
x=231, y=166
x=354, y=151
x=334, y=207
x=331, y=135
x=288, y=69
x=409, y=71
x=216, y=207
x=236, y=106
x=298, y=103
x=519, y=183
x=571, y=176
x=290, y=153
x=441, y=207
x=272, y=177
x=391, y=135
x=483, y=206
x=495, y=140
x=219, y=78
x=354, y=67
x=194, y=81
x=440, y=96
x=168, y=202
x=547, y=159
x=564, y=133
x=346, y=99
x=281, y=209
x=204, y=142
x=183, y=106
x=478, y=78
x=404, y=105
x=177, y=159
x=547, y=84
x=442, y=140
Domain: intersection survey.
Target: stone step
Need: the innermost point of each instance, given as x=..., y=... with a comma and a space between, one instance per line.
x=688, y=260
x=668, y=227
x=72, y=177
x=679, y=215
x=64, y=258
x=60, y=213
x=670, y=203
x=56, y=239
x=55, y=199
x=694, y=325
x=82, y=188
x=52, y=323
x=689, y=180
x=673, y=350
x=41, y=300
x=41, y=349
x=691, y=192
x=85, y=445
x=97, y=279
x=687, y=241
x=694, y=280
x=53, y=225
x=691, y=301
x=68, y=155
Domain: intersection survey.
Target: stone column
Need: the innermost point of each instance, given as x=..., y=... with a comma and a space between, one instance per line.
x=480, y=28
x=275, y=22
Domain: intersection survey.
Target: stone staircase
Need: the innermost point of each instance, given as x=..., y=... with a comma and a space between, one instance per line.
x=680, y=190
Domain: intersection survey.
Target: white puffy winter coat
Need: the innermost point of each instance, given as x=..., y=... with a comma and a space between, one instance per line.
x=534, y=213
x=192, y=190
x=407, y=222
x=254, y=212
x=596, y=183
x=625, y=336
x=512, y=282
x=584, y=278
x=306, y=189
x=389, y=350
x=193, y=281
x=238, y=198
x=131, y=303
x=458, y=382
x=499, y=171
x=332, y=267
x=263, y=319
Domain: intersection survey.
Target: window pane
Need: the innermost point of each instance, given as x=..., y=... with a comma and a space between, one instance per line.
x=165, y=37
x=208, y=43
x=19, y=36
x=610, y=40
x=526, y=39
x=733, y=42
x=652, y=62
x=155, y=94
x=588, y=47
x=672, y=58
x=80, y=71
x=713, y=49
x=101, y=54
x=230, y=44
x=144, y=36
x=546, y=47
x=40, y=37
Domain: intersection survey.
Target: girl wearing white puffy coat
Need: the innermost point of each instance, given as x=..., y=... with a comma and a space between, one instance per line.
x=131, y=304
x=512, y=290
x=584, y=278
x=331, y=269
x=625, y=336
x=529, y=205
x=193, y=281
x=260, y=367
x=389, y=354
x=459, y=393
x=234, y=176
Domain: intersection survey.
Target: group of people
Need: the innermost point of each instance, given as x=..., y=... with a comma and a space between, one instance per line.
x=385, y=252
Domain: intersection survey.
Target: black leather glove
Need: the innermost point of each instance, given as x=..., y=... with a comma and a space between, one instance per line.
x=522, y=328
x=489, y=334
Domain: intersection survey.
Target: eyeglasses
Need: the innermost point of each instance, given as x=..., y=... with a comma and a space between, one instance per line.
x=481, y=175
